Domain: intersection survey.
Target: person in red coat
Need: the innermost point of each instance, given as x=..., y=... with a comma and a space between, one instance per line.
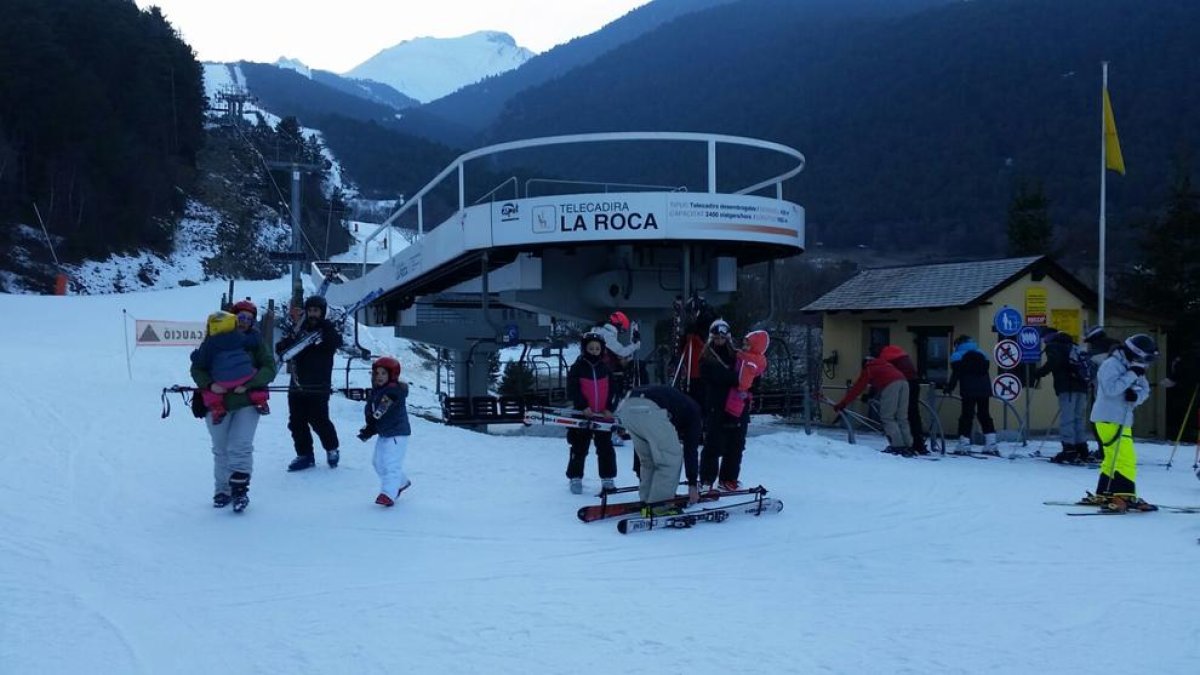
x=892, y=387
x=903, y=362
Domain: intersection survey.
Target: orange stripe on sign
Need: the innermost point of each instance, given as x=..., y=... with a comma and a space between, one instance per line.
x=760, y=229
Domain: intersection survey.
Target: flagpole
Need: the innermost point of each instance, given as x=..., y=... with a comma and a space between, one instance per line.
x=1103, y=189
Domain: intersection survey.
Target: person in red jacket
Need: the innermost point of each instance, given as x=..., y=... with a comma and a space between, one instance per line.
x=892, y=387
x=903, y=362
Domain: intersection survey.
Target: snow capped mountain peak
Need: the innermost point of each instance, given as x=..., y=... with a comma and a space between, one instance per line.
x=294, y=64
x=427, y=68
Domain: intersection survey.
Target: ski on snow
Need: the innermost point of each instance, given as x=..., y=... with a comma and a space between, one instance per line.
x=688, y=519
x=601, y=511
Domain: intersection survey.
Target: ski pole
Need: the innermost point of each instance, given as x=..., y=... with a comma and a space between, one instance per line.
x=1182, y=426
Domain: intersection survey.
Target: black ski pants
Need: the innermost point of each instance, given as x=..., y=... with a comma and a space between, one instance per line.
x=606, y=456
x=914, y=415
x=724, y=443
x=975, y=406
x=308, y=413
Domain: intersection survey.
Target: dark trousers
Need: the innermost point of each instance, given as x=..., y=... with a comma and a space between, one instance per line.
x=975, y=406
x=724, y=442
x=915, y=425
x=606, y=457
x=308, y=413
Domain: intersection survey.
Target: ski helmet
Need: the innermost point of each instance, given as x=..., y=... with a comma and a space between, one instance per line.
x=719, y=327
x=1142, y=347
x=590, y=336
x=619, y=320
x=317, y=301
x=244, y=306
x=221, y=322
x=389, y=364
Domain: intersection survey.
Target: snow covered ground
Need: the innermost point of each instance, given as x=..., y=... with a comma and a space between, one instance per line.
x=113, y=561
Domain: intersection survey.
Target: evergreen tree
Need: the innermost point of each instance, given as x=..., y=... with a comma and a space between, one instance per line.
x=1168, y=280
x=1029, y=229
x=517, y=380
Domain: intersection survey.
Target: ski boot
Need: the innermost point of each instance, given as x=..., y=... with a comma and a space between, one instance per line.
x=607, y=485
x=1127, y=503
x=404, y=487
x=384, y=500
x=239, y=487
x=301, y=463
x=221, y=500
x=576, y=486
x=333, y=457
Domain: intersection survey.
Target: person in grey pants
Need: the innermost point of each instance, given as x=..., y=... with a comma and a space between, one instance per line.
x=233, y=438
x=665, y=425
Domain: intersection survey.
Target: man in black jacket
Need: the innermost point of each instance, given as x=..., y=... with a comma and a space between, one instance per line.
x=665, y=426
x=311, y=385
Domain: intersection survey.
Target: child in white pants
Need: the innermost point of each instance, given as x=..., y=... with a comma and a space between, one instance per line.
x=387, y=417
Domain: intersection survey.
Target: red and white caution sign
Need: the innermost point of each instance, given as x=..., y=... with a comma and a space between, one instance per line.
x=1007, y=354
x=1006, y=387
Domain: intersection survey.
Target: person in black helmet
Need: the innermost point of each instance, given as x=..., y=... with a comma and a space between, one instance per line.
x=311, y=386
x=1121, y=386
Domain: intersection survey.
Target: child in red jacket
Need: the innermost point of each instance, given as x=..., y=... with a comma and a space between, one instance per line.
x=893, y=402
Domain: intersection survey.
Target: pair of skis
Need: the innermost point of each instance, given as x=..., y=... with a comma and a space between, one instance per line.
x=605, y=509
x=1099, y=510
x=690, y=518
x=571, y=419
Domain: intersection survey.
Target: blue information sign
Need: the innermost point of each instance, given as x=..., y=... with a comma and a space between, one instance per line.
x=1030, y=340
x=1007, y=321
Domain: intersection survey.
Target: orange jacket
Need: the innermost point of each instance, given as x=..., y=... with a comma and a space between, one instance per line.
x=752, y=361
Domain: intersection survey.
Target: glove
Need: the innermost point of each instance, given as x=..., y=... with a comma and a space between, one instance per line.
x=1138, y=369
x=365, y=434
x=1131, y=395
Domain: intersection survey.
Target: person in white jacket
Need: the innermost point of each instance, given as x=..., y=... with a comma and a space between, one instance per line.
x=1121, y=386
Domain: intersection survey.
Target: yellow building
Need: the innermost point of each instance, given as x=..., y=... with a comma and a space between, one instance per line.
x=922, y=308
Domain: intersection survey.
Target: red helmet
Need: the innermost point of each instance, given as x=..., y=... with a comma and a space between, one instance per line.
x=244, y=306
x=619, y=320
x=389, y=364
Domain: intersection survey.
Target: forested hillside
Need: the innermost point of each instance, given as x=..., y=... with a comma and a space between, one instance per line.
x=101, y=109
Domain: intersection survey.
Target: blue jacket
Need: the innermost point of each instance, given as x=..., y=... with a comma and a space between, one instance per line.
x=228, y=356
x=970, y=369
x=389, y=402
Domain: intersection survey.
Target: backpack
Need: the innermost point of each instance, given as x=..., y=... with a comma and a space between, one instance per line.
x=1080, y=365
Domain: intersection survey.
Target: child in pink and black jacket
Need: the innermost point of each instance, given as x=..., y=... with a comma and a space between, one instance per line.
x=590, y=388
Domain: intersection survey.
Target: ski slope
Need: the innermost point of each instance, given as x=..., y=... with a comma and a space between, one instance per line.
x=113, y=561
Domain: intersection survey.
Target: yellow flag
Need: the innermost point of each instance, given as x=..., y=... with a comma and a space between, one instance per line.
x=1112, y=145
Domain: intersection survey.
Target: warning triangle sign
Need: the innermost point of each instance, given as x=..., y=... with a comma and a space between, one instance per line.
x=149, y=335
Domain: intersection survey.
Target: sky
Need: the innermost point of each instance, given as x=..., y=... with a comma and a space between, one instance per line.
x=337, y=36
x=112, y=559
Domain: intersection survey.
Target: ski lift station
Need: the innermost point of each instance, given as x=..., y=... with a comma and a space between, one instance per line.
x=516, y=257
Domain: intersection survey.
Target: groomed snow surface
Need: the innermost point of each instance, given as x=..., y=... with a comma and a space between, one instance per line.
x=112, y=559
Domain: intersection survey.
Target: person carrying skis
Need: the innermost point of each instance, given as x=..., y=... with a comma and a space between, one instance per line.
x=622, y=358
x=233, y=441
x=899, y=358
x=225, y=353
x=691, y=347
x=1064, y=361
x=311, y=386
x=969, y=369
x=1121, y=386
x=386, y=413
x=664, y=424
x=892, y=387
x=591, y=393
